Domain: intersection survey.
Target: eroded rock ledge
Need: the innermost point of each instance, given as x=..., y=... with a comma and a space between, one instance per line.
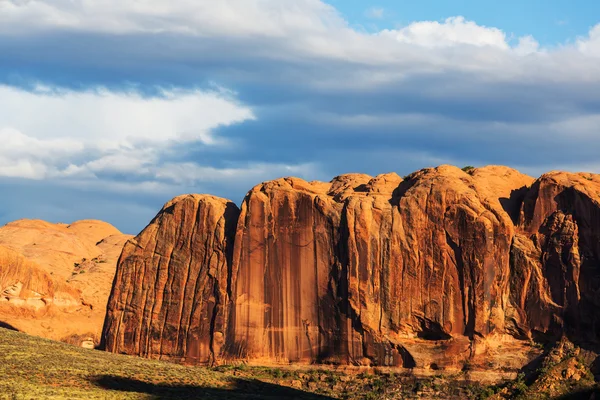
x=436, y=270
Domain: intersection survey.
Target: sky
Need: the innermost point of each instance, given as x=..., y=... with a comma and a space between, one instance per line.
x=110, y=108
x=550, y=22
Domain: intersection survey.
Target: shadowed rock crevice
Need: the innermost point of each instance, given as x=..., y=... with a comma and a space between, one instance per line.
x=431, y=330
x=513, y=204
x=562, y=216
x=468, y=314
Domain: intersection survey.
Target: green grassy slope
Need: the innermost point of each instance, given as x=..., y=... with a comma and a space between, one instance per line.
x=35, y=368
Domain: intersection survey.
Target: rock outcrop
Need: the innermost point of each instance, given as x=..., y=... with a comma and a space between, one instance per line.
x=27, y=288
x=556, y=268
x=55, y=279
x=440, y=269
x=170, y=292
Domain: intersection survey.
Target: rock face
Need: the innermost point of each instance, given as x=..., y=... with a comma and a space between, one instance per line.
x=170, y=292
x=55, y=279
x=557, y=257
x=436, y=270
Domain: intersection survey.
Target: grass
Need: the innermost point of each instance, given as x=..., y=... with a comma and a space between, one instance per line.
x=35, y=368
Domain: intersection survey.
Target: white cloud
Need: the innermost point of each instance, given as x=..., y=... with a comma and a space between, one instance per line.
x=28, y=157
x=197, y=17
x=590, y=45
x=130, y=161
x=83, y=138
x=311, y=30
x=22, y=168
x=301, y=23
x=375, y=13
x=109, y=119
x=125, y=131
x=306, y=25
x=18, y=144
x=453, y=31
x=527, y=45
x=52, y=132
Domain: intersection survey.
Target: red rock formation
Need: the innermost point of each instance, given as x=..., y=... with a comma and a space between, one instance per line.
x=560, y=225
x=25, y=289
x=284, y=254
x=55, y=279
x=441, y=267
x=169, y=297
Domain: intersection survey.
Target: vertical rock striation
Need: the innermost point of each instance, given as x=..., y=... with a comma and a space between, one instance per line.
x=170, y=293
x=432, y=270
x=285, y=249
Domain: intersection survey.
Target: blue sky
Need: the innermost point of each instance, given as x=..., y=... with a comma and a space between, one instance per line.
x=110, y=108
x=550, y=21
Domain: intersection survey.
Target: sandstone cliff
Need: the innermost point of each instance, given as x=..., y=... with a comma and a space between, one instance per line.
x=556, y=255
x=55, y=279
x=441, y=268
x=170, y=291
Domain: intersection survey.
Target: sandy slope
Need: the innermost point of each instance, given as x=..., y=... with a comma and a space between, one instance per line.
x=55, y=279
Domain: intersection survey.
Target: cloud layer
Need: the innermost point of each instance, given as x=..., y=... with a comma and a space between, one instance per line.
x=58, y=133
x=161, y=98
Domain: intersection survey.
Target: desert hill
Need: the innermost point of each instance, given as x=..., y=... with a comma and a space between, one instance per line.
x=55, y=279
x=444, y=269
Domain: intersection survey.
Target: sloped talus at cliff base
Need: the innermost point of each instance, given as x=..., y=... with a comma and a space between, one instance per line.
x=437, y=268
